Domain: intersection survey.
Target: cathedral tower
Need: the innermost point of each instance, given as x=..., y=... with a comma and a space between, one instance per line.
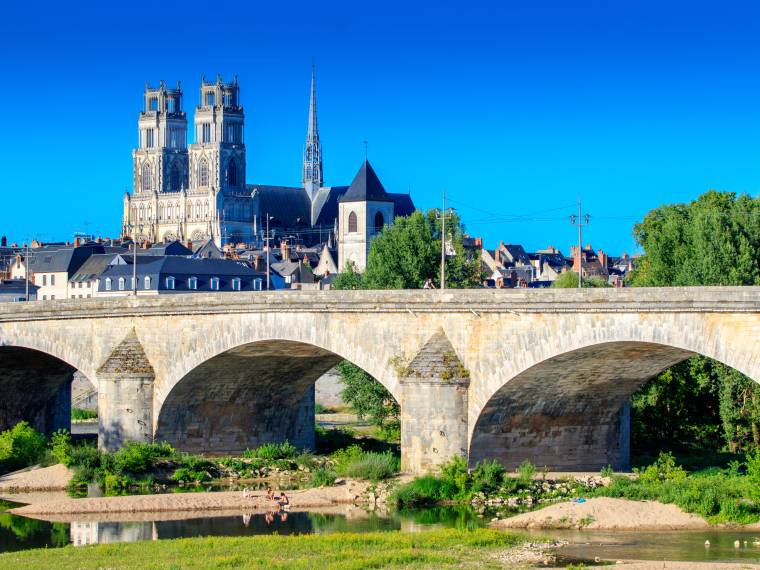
x=312, y=155
x=160, y=160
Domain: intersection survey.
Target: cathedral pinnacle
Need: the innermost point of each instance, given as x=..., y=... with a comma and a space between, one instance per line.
x=312, y=156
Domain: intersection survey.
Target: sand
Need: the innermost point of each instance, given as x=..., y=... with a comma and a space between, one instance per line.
x=348, y=493
x=605, y=513
x=54, y=478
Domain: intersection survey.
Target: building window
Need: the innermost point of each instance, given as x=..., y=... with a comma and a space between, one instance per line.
x=352, y=223
x=192, y=283
x=44, y=280
x=214, y=284
x=153, y=104
x=379, y=221
x=203, y=173
x=121, y=283
x=189, y=210
x=257, y=284
x=108, y=283
x=232, y=173
x=52, y=279
x=176, y=180
x=146, y=282
x=206, y=133
x=210, y=98
x=236, y=283
x=170, y=282
x=52, y=297
x=146, y=177
x=44, y=297
x=149, y=138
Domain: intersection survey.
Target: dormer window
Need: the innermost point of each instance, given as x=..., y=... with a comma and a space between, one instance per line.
x=122, y=281
x=108, y=283
x=214, y=284
x=146, y=282
x=236, y=284
x=170, y=282
x=192, y=283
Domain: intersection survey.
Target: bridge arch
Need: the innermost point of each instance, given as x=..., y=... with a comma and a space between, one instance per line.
x=247, y=395
x=563, y=400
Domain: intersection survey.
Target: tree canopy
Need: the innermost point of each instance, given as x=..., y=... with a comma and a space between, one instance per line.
x=714, y=240
x=569, y=280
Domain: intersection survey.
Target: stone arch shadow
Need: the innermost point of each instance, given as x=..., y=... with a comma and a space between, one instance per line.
x=253, y=393
x=35, y=387
x=570, y=411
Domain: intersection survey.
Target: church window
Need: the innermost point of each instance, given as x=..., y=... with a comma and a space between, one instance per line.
x=236, y=283
x=192, y=283
x=379, y=221
x=141, y=213
x=175, y=178
x=214, y=284
x=121, y=283
x=189, y=210
x=146, y=177
x=352, y=223
x=210, y=98
x=149, y=138
x=226, y=99
x=203, y=173
x=170, y=105
x=146, y=282
x=108, y=283
x=206, y=133
x=153, y=104
x=232, y=173
x=170, y=282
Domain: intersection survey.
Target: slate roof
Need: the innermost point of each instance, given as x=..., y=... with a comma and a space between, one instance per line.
x=366, y=187
x=58, y=259
x=93, y=267
x=290, y=207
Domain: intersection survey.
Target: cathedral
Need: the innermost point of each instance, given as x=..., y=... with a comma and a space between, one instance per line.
x=199, y=192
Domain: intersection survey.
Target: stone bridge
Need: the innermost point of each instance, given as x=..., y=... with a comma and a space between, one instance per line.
x=504, y=374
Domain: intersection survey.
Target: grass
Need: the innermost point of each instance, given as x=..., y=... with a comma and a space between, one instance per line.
x=80, y=414
x=433, y=549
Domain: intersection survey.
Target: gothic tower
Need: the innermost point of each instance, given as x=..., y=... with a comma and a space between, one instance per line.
x=217, y=158
x=312, y=155
x=160, y=161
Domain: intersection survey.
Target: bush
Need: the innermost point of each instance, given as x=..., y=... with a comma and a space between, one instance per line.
x=137, y=458
x=20, y=446
x=343, y=457
x=457, y=476
x=79, y=414
x=272, y=451
x=525, y=472
x=195, y=468
x=86, y=457
x=60, y=446
x=322, y=477
x=753, y=466
x=372, y=466
x=425, y=490
x=663, y=469
x=487, y=477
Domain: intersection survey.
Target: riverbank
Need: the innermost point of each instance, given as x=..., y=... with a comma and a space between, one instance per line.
x=34, y=479
x=435, y=549
x=604, y=513
x=350, y=492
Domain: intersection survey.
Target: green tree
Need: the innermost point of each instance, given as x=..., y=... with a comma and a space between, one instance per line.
x=714, y=240
x=368, y=398
x=569, y=280
x=348, y=279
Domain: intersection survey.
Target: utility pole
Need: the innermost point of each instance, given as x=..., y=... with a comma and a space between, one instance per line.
x=580, y=221
x=443, y=242
x=26, y=269
x=267, y=251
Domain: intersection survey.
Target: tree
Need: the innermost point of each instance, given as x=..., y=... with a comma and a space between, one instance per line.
x=714, y=240
x=348, y=279
x=368, y=398
x=569, y=280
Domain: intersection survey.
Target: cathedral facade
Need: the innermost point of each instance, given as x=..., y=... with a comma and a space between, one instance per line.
x=199, y=192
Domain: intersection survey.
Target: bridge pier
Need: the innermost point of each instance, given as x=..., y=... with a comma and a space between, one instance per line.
x=433, y=407
x=125, y=396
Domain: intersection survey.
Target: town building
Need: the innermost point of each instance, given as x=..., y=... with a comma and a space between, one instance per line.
x=17, y=290
x=199, y=192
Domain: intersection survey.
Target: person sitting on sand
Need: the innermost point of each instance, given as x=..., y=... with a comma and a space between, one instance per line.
x=270, y=493
x=283, y=502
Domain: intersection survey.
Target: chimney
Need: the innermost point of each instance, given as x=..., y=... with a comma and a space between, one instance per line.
x=284, y=250
x=4, y=241
x=497, y=256
x=602, y=258
x=77, y=241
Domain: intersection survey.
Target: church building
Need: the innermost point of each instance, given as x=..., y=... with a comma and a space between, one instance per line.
x=200, y=192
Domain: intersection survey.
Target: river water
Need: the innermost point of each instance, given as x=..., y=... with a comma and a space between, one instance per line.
x=19, y=533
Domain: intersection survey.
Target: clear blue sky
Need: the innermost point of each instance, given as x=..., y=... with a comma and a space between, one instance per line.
x=513, y=107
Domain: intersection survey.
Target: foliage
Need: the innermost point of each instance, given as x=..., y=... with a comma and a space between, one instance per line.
x=431, y=549
x=425, y=490
x=753, y=467
x=80, y=414
x=372, y=466
x=322, y=477
x=194, y=468
x=569, y=280
x=487, y=477
x=20, y=447
x=366, y=396
x=714, y=240
x=60, y=446
x=664, y=469
x=138, y=458
x=273, y=451
x=406, y=254
x=525, y=472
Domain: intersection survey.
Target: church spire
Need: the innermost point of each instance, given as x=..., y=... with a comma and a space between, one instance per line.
x=312, y=156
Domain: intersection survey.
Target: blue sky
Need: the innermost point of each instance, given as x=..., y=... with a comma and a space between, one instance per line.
x=515, y=108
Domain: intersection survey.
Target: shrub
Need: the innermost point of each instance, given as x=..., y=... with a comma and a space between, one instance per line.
x=421, y=491
x=194, y=468
x=20, y=446
x=487, y=477
x=753, y=466
x=79, y=414
x=322, y=477
x=60, y=446
x=137, y=458
x=663, y=469
x=372, y=466
x=343, y=457
x=525, y=472
x=456, y=474
x=272, y=451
